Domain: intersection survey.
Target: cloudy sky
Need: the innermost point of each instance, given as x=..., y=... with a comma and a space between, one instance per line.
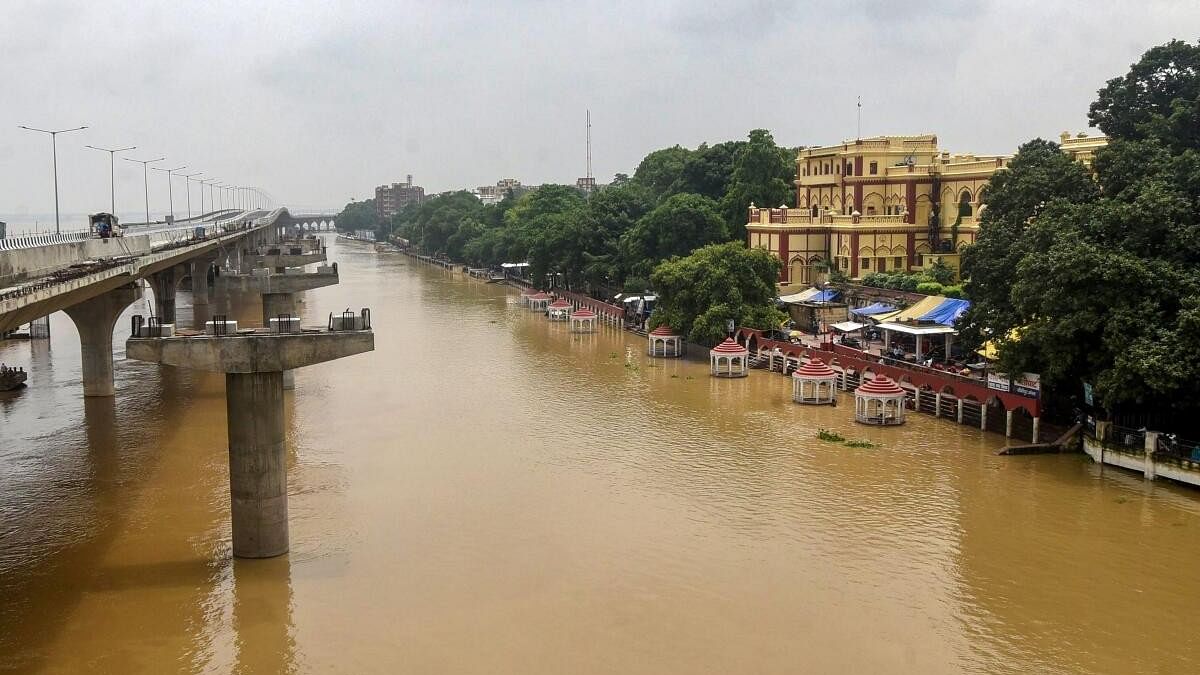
x=319, y=101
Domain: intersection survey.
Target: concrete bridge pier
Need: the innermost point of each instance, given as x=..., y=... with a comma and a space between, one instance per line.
x=95, y=320
x=164, y=283
x=198, y=271
x=257, y=464
x=253, y=364
x=274, y=305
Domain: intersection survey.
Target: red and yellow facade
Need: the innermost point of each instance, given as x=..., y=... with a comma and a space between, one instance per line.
x=883, y=204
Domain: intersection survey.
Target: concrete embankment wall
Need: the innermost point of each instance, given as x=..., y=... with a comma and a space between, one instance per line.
x=1144, y=462
x=25, y=263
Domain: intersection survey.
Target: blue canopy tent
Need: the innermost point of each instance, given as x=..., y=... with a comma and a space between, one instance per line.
x=871, y=310
x=824, y=296
x=947, y=312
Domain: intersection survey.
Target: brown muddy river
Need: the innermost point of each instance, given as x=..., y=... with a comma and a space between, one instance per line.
x=486, y=493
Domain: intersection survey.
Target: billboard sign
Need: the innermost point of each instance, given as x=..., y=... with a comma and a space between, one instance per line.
x=1028, y=384
x=998, y=382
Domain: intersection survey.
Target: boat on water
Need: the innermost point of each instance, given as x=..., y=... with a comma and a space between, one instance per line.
x=12, y=378
x=496, y=277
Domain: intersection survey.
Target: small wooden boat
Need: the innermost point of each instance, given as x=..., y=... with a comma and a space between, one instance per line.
x=12, y=378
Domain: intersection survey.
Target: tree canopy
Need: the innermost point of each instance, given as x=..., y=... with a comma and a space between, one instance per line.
x=675, y=227
x=358, y=216
x=762, y=174
x=1101, y=280
x=700, y=292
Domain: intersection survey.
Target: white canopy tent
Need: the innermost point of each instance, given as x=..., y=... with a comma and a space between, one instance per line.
x=919, y=332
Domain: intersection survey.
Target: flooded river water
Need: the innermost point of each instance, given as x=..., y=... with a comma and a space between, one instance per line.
x=486, y=493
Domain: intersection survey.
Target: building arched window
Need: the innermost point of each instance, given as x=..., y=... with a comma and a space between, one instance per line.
x=964, y=204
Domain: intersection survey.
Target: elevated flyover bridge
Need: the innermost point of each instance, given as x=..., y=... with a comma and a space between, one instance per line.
x=93, y=280
x=160, y=230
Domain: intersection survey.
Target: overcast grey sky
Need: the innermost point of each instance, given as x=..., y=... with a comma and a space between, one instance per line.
x=318, y=102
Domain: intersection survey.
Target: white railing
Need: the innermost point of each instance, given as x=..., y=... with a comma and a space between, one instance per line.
x=36, y=240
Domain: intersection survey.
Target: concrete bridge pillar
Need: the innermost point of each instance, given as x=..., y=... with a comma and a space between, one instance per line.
x=275, y=304
x=95, y=320
x=199, y=273
x=164, y=283
x=257, y=464
x=253, y=364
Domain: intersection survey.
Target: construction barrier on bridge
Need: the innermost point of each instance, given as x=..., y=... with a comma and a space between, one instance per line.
x=35, y=240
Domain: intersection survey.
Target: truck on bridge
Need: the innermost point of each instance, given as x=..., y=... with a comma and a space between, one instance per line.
x=104, y=225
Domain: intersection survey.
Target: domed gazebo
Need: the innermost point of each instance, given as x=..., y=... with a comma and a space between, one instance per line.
x=879, y=401
x=814, y=383
x=560, y=310
x=583, y=321
x=729, y=359
x=663, y=341
x=525, y=295
x=538, y=301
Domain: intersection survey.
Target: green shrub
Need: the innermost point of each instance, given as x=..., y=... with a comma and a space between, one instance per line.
x=909, y=283
x=930, y=288
x=875, y=280
x=953, y=292
x=831, y=436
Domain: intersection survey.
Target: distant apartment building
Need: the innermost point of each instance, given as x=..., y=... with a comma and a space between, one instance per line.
x=493, y=194
x=389, y=199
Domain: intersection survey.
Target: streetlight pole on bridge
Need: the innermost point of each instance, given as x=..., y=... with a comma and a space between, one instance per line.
x=112, y=171
x=187, y=183
x=54, y=158
x=170, y=188
x=145, y=181
x=210, y=183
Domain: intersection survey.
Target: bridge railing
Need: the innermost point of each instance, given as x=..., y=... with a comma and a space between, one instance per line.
x=36, y=240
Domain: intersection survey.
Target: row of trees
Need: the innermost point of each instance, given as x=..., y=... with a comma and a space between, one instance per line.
x=1093, y=276
x=678, y=200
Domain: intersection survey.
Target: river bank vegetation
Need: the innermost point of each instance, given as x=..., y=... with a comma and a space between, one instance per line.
x=677, y=201
x=1093, y=275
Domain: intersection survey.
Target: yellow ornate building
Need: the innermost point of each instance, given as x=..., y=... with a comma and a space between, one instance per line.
x=882, y=204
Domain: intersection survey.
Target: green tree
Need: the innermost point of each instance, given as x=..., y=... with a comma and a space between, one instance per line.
x=677, y=226
x=358, y=216
x=660, y=169
x=699, y=293
x=1158, y=98
x=763, y=174
x=1037, y=175
x=940, y=272
x=613, y=212
x=708, y=170
x=1103, y=281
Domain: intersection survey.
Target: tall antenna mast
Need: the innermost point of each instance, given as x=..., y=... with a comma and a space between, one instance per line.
x=589, y=143
x=859, y=137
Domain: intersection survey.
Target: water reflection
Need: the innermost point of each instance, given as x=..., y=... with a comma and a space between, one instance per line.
x=262, y=616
